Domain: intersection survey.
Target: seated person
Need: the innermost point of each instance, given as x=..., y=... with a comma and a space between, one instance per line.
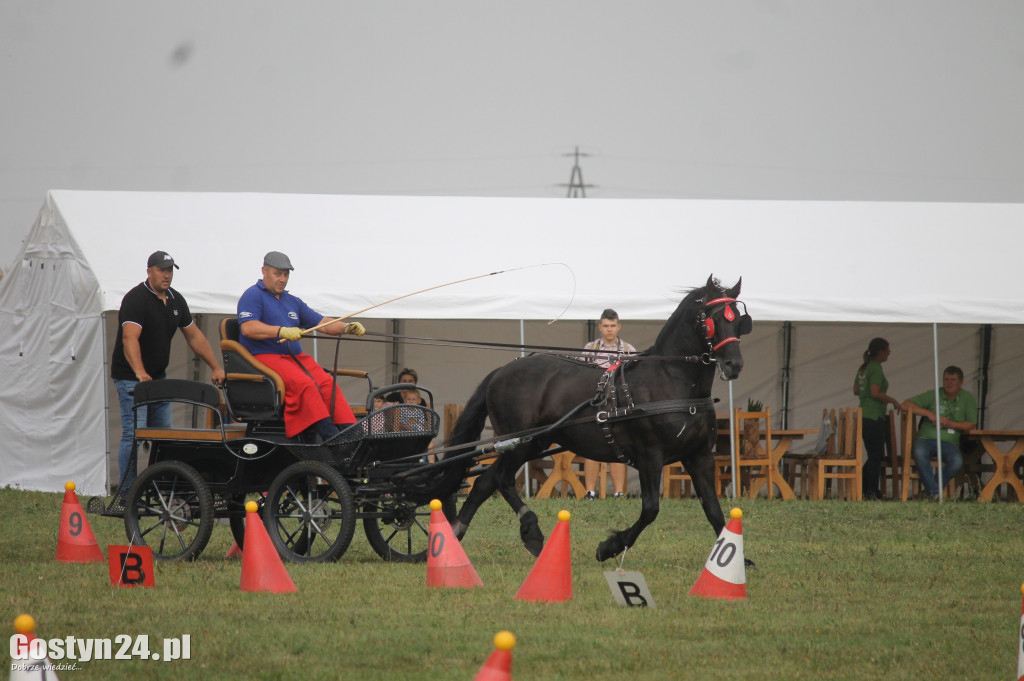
x=268, y=313
x=412, y=419
x=959, y=413
x=406, y=376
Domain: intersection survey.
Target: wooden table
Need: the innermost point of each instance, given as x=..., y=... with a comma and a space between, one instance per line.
x=782, y=439
x=785, y=438
x=1004, y=460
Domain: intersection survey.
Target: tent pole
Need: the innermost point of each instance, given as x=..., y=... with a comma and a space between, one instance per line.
x=732, y=447
x=986, y=361
x=525, y=470
x=938, y=405
x=106, y=402
x=396, y=361
x=787, y=354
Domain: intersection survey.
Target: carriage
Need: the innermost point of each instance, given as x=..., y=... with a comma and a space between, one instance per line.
x=649, y=410
x=310, y=496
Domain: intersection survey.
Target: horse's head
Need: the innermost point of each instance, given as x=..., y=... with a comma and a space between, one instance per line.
x=722, y=319
x=709, y=322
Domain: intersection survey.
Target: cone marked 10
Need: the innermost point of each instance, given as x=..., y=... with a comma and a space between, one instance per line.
x=447, y=563
x=724, y=574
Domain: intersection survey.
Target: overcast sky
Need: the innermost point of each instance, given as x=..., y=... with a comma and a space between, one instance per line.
x=916, y=100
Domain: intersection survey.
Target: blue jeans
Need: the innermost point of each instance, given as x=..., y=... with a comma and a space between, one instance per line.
x=157, y=415
x=924, y=452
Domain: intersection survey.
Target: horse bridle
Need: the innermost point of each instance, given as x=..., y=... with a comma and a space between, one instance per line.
x=706, y=323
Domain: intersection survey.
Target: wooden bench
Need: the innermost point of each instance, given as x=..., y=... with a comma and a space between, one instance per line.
x=232, y=432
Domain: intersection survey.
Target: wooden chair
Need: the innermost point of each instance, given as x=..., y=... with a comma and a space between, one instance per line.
x=845, y=464
x=910, y=481
x=676, y=482
x=753, y=439
x=800, y=465
x=893, y=469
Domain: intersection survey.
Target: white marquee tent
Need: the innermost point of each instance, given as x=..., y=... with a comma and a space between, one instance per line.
x=819, y=278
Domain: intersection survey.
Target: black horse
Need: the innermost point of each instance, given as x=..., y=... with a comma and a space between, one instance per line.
x=646, y=411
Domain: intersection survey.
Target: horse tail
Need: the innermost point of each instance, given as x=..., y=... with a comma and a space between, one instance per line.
x=467, y=429
x=474, y=415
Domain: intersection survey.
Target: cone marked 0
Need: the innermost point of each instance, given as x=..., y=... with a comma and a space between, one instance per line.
x=724, y=574
x=447, y=563
x=262, y=569
x=498, y=666
x=550, y=579
x=75, y=540
x=29, y=668
x=1020, y=641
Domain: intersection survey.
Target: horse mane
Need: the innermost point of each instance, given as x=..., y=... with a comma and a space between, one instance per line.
x=679, y=325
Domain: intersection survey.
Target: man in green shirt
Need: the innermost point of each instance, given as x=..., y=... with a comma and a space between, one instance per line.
x=958, y=414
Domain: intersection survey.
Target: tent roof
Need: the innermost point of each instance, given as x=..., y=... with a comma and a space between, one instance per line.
x=800, y=260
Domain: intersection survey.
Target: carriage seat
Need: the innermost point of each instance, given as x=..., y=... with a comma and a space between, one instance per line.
x=253, y=391
x=187, y=392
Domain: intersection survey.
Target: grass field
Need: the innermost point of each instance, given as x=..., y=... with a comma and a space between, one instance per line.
x=866, y=590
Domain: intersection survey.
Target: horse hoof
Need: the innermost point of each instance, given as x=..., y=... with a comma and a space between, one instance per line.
x=529, y=532
x=750, y=565
x=605, y=552
x=459, y=530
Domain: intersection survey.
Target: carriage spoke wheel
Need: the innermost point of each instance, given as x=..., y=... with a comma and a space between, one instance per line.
x=170, y=509
x=402, y=535
x=310, y=513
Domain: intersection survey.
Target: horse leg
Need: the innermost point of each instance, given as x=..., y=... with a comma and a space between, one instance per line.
x=650, y=496
x=483, y=487
x=529, y=527
x=702, y=472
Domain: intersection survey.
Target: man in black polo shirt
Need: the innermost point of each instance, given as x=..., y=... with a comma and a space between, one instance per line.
x=150, y=314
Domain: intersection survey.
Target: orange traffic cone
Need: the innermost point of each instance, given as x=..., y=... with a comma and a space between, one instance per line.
x=724, y=575
x=262, y=569
x=499, y=665
x=27, y=663
x=75, y=540
x=235, y=551
x=550, y=579
x=447, y=563
x=1020, y=642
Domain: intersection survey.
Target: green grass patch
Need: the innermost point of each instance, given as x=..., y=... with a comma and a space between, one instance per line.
x=843, y=591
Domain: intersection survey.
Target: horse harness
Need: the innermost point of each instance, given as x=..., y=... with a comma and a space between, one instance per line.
x=606, y=402
x=607, y=394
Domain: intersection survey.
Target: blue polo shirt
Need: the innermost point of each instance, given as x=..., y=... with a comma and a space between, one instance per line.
x=257, y=303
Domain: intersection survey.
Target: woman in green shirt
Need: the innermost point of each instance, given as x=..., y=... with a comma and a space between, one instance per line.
x=870, y=386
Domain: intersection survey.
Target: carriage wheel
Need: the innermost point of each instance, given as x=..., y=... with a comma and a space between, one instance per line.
x=170, y=509
x=403, y=535
x=310, y=513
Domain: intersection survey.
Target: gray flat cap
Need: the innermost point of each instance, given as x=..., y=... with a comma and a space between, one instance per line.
x=277, y=259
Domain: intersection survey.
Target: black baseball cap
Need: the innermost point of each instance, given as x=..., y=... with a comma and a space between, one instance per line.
x=161, y=259
x=278, y=260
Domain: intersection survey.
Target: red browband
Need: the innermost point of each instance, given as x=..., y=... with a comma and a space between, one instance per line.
x=718, y=301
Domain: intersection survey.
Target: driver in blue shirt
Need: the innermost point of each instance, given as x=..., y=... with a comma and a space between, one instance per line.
x=267, y=313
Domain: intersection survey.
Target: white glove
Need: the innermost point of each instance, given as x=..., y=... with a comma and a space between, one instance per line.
x=292, y=333
x=354, y=329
